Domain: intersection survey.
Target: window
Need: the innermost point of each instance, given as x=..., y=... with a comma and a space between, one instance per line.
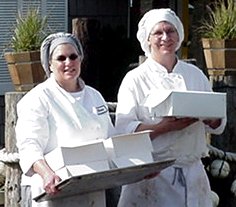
x=57, y=14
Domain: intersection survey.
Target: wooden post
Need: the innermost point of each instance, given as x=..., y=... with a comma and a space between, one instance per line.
x=88, y=30
x=13, y=171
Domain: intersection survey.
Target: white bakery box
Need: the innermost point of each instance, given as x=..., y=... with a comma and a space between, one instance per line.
x=197, y=104
x=87, y=158
x=129, y=149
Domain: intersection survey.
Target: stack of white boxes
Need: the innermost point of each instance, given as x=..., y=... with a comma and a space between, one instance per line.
x=96, y=156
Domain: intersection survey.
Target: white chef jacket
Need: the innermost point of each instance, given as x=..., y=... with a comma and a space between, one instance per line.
x=186, y=146
x=49, y=117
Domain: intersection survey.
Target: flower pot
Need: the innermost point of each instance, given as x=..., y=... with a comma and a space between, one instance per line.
x=25, y=69
x=219, y=54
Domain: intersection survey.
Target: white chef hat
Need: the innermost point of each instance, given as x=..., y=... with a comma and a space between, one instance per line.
x=150, y=19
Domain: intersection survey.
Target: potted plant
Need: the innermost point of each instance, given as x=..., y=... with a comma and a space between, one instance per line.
x=24, y=61
x=218, y=32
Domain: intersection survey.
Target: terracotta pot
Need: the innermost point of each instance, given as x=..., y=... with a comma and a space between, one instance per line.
x=219, y=54
x=25, y=69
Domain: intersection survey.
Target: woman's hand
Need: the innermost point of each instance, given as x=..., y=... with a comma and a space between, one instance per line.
x=174, y=124
x=50, y=179
x=50, y=182
x=213, y=123
x=153, y=175
x=169, y=124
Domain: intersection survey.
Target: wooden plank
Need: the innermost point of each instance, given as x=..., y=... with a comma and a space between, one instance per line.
x=184, y=15
x=88, y=183
x=13, y=171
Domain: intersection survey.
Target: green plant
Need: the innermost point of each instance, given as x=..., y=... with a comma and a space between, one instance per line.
x=28, y=31
x=220, y=22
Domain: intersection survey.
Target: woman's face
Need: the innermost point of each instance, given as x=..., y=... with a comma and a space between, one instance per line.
x=65, y=63
x=163, y=39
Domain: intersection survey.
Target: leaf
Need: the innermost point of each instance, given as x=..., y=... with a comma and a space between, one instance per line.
x=29, y=31
x=220, y=21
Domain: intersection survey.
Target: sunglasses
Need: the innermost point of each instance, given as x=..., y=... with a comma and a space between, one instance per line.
x=62, y=58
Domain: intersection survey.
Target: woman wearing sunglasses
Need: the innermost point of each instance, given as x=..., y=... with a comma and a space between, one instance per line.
x=61, y=111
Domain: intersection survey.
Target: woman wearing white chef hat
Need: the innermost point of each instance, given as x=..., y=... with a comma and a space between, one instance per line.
x=184, y=184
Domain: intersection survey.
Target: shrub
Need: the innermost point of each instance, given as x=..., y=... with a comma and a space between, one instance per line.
x=220, y=22
x=28, y=31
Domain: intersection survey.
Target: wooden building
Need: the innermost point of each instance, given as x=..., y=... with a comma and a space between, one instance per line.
x=108, y=31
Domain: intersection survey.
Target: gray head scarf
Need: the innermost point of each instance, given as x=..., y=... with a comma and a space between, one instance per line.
x=51, y=42
x=150, y=19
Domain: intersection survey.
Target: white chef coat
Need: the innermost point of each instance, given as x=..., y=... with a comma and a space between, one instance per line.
x=49, y=117
x=187, y=146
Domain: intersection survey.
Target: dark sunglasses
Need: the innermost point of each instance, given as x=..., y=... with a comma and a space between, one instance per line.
x=62, y=58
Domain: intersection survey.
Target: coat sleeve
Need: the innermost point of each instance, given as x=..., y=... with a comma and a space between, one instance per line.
x=31, y=131
x=126, y=116
x=207, y=87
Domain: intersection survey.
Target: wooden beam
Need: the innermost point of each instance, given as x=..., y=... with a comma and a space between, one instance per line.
x=13, y=171
x=185, y=20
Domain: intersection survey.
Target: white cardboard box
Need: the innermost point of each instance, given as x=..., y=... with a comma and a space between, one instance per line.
x=71, y=161
x=130, y=149
x=186, y=104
